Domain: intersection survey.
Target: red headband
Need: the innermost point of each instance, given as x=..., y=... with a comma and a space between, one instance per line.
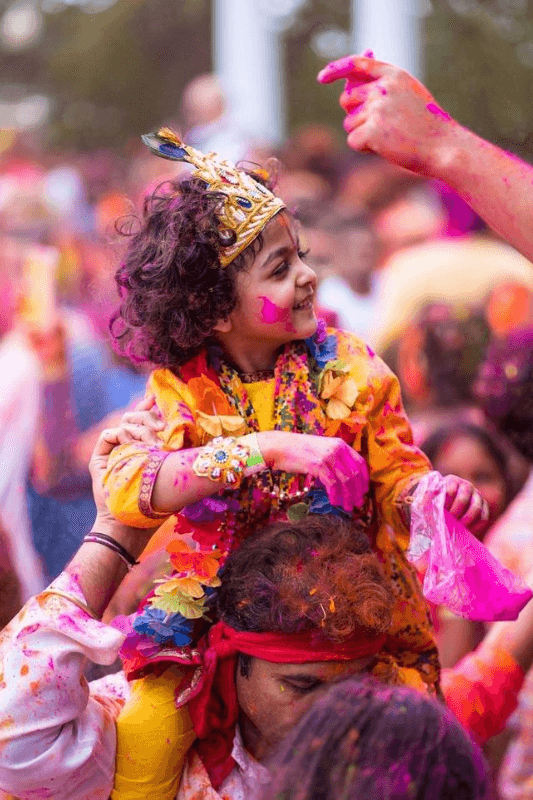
x=214, y=708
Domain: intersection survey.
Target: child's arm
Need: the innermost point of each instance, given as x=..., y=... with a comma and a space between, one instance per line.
x=145, y=484
x=394, y=463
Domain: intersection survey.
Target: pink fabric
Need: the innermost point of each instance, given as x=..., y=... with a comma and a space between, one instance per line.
x=460, y=573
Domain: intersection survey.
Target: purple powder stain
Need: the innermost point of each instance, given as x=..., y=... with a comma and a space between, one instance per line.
x=433, y=108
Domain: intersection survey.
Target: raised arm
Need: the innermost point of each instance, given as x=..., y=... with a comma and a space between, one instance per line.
x=56, y=738
x=392, y=114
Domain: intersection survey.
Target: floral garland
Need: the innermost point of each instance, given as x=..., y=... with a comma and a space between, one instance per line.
x=307, y=376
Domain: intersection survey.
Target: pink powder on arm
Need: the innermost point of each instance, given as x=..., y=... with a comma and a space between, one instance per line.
x=433, y=108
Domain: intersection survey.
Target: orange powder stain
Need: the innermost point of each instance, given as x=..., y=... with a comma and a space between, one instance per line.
x=24, y=669
x=34, y=686
x=7, y=722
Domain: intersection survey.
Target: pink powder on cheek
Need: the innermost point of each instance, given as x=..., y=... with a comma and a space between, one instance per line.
x=271, y=314
x=433, y=108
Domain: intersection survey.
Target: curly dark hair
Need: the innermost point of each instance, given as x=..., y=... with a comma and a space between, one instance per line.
x=319, y=572
x=173, y=290
x=365, y=739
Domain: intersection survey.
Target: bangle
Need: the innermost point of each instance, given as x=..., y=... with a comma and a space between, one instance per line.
x=112, y=544
x=255, y=462
x=72, y=599
x=222, y=461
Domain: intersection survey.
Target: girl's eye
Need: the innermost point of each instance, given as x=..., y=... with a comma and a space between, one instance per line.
x=303, y=253
x=281, y=270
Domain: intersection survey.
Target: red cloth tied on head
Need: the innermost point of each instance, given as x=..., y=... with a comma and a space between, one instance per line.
x=214, y=708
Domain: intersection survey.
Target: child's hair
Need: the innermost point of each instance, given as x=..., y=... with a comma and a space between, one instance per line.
x=440, y=437
x=172, y=287
x=316, y=573
x=366, y=740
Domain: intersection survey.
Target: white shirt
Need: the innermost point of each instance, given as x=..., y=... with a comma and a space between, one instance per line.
x=57, y=733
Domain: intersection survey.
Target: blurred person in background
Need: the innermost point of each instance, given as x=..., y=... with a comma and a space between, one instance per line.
x=19, y=411
x=505, y=390
x=343, y=252
x=473, y=453
x=208, y=122
x=361, y=739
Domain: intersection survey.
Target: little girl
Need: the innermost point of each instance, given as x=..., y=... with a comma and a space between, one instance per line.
x=267, y=415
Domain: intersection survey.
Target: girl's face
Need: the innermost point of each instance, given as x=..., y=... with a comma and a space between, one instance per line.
x=276, y=292
x=466, y=457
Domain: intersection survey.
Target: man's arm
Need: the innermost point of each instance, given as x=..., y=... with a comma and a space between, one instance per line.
x=55, y=737
x=392, y=114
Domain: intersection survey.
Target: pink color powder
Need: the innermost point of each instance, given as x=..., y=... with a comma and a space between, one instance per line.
x=433, y=108
x=272, y=314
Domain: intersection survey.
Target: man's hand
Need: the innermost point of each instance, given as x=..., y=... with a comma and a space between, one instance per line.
x=140, y=425
x=391, y=113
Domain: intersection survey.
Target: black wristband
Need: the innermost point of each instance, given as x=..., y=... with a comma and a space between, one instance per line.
x=112, y=544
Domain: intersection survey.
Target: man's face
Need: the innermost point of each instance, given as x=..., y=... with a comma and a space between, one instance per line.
x=273, y=697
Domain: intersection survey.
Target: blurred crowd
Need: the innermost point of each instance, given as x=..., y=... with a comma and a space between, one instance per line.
x=402, y=262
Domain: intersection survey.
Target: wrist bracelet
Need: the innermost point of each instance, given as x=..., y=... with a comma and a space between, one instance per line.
x=112, y=544
x=222, y=461
x=255, y=462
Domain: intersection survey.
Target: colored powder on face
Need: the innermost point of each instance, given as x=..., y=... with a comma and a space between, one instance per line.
x=433, y=108
x=272, y=314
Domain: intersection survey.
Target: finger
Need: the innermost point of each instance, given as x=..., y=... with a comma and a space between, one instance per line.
x=145, y=404
x=457, y=503
x=141, y=433
x=353, y=96
x=474, y=512
x=350, y=463
x=106, y=442
x=148, y=418
x=332, y=485
x=355, y=119
x=359, y=138
x=359, y=68
x=346, y=470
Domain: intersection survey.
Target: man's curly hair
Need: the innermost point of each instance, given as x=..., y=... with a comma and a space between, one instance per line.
x=319, y=573
x=172, y=287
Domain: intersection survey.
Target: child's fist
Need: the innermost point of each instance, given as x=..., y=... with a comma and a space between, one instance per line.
x=465, y=503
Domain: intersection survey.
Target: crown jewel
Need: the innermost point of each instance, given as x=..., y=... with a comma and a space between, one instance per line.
x=248, y=205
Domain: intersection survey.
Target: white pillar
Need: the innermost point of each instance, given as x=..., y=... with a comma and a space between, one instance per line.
x=247, y=58
x=392, y=29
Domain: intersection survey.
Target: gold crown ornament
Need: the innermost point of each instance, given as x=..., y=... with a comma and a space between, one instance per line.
x=248, y=205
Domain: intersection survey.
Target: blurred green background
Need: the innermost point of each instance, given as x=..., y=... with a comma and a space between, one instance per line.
x=115, y=69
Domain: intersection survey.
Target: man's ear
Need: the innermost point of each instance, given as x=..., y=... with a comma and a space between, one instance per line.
x=223, y=326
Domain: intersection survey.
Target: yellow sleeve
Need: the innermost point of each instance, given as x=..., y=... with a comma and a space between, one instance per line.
x=394, y=463
x=153, y=739
x=132, y=468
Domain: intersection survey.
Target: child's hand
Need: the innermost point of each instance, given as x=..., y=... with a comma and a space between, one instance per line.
x=143, y=423
x=342, y=471
x=465, y=503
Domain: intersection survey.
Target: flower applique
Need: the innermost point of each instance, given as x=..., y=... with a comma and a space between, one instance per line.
x=213, y=411
x=163, y=627
x=187, y=590
x=339, y=389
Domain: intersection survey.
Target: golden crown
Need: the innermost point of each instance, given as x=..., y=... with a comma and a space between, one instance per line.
x=248, y=205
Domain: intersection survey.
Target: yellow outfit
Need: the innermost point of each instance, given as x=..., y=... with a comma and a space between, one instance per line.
x=380, y=431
